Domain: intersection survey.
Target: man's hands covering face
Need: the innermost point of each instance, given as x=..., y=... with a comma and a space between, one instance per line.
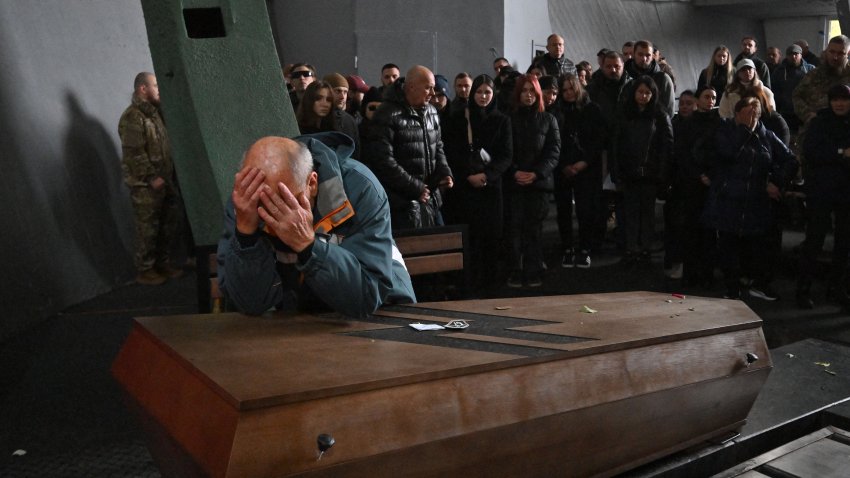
x=246, y=199
x=288, y=217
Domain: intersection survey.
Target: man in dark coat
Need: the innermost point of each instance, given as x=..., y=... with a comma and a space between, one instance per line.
x=785, y=78
x=405, y=151
x=553, y=62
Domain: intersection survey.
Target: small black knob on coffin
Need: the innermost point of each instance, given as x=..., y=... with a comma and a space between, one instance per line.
x=751, y=358
x=325, y=441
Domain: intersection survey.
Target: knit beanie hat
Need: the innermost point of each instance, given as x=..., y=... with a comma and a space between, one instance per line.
x=336, y=80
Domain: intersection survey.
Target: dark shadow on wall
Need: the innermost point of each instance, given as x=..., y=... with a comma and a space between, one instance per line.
x=27, y=285
x=94, y=211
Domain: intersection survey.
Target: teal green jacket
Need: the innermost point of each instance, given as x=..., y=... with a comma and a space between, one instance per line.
x=353, y=267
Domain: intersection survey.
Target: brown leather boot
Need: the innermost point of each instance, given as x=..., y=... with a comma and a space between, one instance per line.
x=150, y=277
x=169, y=271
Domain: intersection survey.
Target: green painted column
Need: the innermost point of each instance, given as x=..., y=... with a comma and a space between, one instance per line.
x=222, y=88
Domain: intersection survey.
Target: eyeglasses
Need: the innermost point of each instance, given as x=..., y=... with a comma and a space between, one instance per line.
x=372, y=107
x=301, y=74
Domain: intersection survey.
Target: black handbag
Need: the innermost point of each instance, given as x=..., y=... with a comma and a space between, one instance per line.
x=421, y=214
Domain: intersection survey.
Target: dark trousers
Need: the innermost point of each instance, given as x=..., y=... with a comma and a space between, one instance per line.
x=481, y=209
x=639, y=209
x=820, y=219
x=741, y=255
x=587, y=191
x=528, y=208
x=686, y=240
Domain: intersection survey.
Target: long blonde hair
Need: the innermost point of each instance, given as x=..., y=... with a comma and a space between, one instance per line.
x=730, y=71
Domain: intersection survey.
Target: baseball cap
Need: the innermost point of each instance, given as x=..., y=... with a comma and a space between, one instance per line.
x=356, y=83
x=744, y=63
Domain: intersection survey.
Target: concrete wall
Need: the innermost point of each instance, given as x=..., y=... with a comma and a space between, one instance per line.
x=66, y=74
x=527, y=23
x=319, y=32
x=782, y=32
x=448, y=37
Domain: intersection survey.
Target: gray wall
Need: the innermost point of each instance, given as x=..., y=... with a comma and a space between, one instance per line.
x=66, y=74
x=448, y=37
x=782, y=32
x=319, y=32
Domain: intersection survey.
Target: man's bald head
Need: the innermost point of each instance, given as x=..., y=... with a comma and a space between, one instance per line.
x=418, y=86
x=282, y=160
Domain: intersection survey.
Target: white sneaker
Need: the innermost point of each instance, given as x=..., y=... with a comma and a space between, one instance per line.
x=583, y=260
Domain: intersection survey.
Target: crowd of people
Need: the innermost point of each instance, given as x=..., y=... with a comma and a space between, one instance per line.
x=604, y=146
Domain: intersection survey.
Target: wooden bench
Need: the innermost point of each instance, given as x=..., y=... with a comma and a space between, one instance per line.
x=425, y=251
x=434, y=250
x=210, y=298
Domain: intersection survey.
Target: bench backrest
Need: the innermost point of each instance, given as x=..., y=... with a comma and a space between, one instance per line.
x=425, y=251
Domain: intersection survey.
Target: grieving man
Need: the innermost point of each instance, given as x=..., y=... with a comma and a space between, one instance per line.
x=306, y=228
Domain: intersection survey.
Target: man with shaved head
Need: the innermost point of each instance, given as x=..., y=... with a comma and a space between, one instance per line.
x=405, y=151
x=553, y=62
x=307, y=227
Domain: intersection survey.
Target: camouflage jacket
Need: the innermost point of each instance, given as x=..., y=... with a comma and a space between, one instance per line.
x=810, y=95
x=146, y=151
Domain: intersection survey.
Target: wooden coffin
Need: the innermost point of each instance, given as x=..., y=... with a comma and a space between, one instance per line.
x=583, y=385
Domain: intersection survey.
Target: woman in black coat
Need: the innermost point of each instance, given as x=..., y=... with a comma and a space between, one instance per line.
x=479, y=150
x=827, y=152
x=536, y=148
x=579, y=172
x=642, y=148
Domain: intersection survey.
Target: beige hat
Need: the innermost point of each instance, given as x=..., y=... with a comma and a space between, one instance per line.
x=336, y=80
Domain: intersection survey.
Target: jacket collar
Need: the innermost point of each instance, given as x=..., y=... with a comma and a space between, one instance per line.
x=145, y=107
x=330, y=150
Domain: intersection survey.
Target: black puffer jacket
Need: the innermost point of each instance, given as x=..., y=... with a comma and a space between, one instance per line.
x=405, y=148
x=643, y=146
x=555, y=67
x=583, y=132
x=537, y=146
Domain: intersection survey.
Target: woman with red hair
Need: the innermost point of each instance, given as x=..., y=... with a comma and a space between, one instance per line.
x=536, y=148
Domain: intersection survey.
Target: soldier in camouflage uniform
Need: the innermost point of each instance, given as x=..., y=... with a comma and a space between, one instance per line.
x=149, y=173
x=810, y=95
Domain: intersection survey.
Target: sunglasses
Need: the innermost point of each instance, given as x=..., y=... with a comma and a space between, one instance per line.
x=301, y=74
x=372, y=107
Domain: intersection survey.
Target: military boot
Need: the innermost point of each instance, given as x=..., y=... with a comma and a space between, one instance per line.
x=150, y=277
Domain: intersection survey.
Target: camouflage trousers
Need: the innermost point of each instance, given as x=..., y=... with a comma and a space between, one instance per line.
x=157, y=217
